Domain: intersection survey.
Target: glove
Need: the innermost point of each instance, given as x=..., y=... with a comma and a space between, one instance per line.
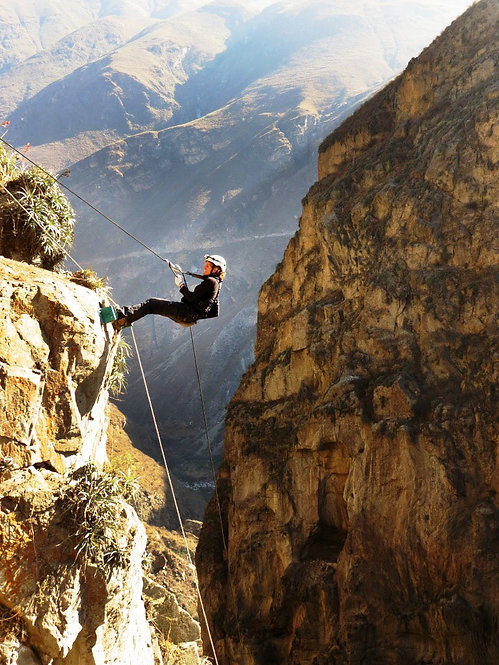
x=179, y=281
x=176, y=268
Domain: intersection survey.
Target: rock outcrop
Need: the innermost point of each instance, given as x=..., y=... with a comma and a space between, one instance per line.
x=54, y=358
x=359, y=484
x=169, y=590
x=56, y=606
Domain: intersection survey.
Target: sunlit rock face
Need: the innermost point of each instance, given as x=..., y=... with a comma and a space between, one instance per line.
x=55, y=356
x=54, y=609
x=358, y=487
x=55, y=360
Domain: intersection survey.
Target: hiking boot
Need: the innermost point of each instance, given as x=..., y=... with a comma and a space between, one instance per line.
x=120, y=323
x=121, y=320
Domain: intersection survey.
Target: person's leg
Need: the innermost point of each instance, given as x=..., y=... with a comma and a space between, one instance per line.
x=177, y=311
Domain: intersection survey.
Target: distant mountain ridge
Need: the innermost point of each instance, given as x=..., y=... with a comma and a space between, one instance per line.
x=200, y=132
x=30, y=26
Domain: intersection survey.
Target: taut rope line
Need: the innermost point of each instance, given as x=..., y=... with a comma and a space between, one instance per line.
x=83, y=200
x=219, y=507
x=170, y=483
x=207, y=436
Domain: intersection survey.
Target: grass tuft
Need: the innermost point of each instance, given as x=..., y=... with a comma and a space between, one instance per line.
x=119, y=371
x=94, y=501
x=87, y=277
x=39, y=227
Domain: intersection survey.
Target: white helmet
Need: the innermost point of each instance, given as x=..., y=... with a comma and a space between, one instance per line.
x=217, y=260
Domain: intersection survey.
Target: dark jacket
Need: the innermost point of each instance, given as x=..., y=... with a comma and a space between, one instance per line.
x=204, y=298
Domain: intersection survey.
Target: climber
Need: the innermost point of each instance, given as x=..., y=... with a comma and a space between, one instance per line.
x=201, y=303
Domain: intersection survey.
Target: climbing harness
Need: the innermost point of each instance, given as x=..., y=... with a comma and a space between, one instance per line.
x=215, y=308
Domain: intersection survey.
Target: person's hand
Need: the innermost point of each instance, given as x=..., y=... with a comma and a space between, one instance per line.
x=176, y=268
x=179, y=281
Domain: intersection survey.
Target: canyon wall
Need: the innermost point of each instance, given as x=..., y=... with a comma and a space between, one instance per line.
x=358, y=489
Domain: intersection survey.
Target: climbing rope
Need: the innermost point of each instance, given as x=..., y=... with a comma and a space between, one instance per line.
x=172, y=489
x=219, y=507
x=207, y=436
x=83, y=200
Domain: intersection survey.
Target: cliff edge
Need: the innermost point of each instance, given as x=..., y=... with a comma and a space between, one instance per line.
x=71, y=546
x=359, y=484
x=54, y=358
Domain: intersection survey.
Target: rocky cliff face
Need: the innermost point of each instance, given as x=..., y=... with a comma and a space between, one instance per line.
x=359, y=483
x=57, y=607
x=54, y=357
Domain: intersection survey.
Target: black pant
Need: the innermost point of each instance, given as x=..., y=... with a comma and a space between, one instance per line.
x=179, y=312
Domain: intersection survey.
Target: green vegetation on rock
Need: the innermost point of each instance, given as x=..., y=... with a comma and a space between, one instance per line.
x=36, y=219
